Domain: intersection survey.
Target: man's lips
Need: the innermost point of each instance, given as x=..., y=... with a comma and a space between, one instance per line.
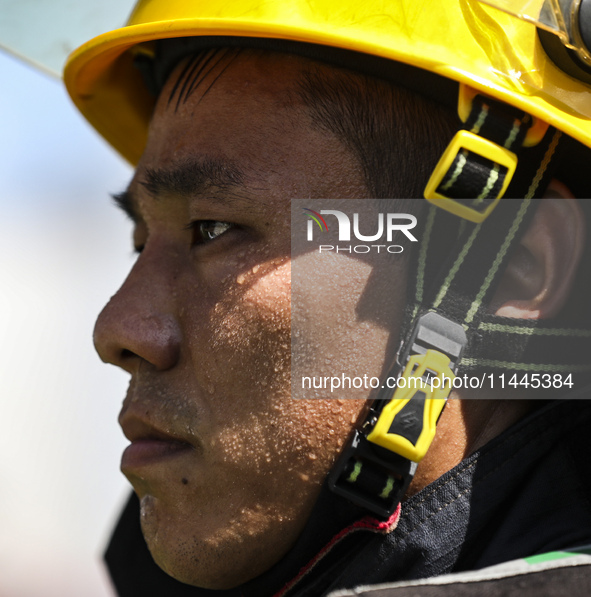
x=144, y=452
x=149, y=445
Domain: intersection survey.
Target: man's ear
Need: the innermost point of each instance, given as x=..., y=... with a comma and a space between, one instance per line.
x=541, y=272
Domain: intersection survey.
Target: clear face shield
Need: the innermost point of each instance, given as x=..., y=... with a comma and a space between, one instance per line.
x=44, y=32
x=564, y=27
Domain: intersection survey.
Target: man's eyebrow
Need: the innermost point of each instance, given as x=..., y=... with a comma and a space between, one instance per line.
x=187, y=179
x=190, y=178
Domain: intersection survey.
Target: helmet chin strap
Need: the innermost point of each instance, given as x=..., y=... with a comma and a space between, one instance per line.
x=448, y=328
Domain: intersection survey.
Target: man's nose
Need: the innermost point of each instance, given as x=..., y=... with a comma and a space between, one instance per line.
x=138, y=323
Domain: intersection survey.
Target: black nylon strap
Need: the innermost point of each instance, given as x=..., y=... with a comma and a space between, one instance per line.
x=528, y=345
x=469, y=174
x=466, y=282
x=477, y=179
x=466, y=286
x=479, y=260
x=501, y=123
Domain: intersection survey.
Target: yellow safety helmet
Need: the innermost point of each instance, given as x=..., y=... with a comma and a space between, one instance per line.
x=498, y=52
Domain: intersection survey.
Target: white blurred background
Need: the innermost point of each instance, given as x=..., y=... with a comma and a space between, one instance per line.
x=64, y=249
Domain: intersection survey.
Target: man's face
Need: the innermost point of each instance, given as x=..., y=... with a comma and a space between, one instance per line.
x=226, y=465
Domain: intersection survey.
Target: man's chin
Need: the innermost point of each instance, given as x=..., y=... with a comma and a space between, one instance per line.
x=192, y=570
x=205, y=555
x=174, y=549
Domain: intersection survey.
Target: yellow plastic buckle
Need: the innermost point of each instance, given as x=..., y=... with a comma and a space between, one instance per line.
x=467, y=141
x=406, y=425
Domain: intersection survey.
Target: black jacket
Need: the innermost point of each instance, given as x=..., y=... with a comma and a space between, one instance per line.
x=526, y=492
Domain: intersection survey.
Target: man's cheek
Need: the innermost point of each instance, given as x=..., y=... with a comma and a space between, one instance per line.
x=247, y=335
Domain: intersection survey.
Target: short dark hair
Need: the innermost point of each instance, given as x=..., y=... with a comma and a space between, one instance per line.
x=396, y=135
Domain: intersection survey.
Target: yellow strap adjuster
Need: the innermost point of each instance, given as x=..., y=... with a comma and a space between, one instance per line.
x=463, y=142
x=453, y=172
x=406, y=425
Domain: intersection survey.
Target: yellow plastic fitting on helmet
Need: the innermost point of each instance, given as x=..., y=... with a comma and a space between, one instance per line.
x=493, y=52
x=466, y=96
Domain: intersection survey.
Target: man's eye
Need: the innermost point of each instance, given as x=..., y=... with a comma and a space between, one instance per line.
x=207, y=230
